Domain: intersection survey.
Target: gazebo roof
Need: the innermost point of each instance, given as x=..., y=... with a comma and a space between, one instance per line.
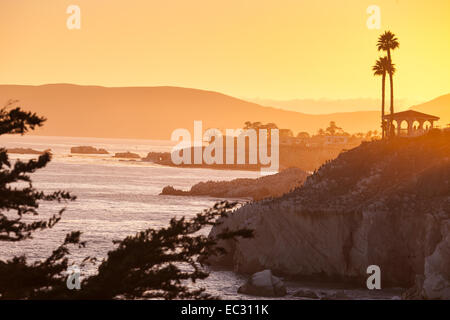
x=411, y=115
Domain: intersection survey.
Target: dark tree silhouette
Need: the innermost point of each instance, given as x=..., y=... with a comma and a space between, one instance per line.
x=259, y=125
x=387, y=42
x=303, y=135
x=161, y=263
x=333, y=129
x=17, y=278
x=25, y=200
x=154, y=263
x=381, y=68
x=22, y=280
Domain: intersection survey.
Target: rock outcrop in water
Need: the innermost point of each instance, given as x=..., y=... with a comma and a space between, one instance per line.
x=268, y=186
x=263, y=284
x=127, y=155
x=27, y=151
x=385, y=203
x=88, y=150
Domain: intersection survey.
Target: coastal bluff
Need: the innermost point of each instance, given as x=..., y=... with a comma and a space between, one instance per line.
x=384, y=203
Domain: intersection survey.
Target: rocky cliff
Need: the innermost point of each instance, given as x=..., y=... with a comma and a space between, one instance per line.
x=385, y=203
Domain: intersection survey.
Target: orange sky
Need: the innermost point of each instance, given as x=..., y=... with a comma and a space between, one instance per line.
x=282, y=49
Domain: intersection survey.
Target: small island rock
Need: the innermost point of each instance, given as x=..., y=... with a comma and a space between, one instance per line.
x=87, y=150
x=264, y=284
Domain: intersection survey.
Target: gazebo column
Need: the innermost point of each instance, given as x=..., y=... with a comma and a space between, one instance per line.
x=410, y=127
x=399, y=127
x=420, y=129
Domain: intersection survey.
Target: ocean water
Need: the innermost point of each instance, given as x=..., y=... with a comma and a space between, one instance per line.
x=119, y=198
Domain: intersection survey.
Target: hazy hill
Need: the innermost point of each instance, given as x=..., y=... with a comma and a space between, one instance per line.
x=154, y=112
x=439, y=107
x=324, y=106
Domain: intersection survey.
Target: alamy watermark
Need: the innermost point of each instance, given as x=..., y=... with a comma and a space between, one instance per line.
x=74, y=19
x=374, y=20
x=374, y=280
x=235, y=140
x=73, y=278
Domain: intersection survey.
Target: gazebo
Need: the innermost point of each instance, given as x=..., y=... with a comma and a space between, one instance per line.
x=415, y=121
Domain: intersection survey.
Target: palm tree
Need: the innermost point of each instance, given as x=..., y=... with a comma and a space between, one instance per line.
x=387, y=42
x=381, y=67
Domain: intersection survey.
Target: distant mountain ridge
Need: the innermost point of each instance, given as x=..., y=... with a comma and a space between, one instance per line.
x=325, y=106
x=155, y=112
x=438, y=107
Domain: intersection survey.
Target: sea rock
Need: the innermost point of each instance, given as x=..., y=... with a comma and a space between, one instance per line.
x=127, y=155
x=28, y=151
x=163, y=158
x=306, y=293
x=87, y=150
x=169, y=190
x=336, y=295
x=263, y=284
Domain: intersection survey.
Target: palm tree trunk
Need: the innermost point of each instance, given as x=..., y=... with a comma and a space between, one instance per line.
x=383, y=90
x=391, y=80
x=392, y=100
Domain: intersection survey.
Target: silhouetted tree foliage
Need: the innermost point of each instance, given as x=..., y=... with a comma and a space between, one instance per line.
x=388, y=42
x=23, y=200
x=161, y=263
x=19, y=198
x=259, y=125
x=39, y=280
x=151, y=264
x=333, y=129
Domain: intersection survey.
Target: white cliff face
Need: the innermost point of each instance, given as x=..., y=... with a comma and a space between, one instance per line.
x=365, y=208
x=436, y=284
x=333, y=245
